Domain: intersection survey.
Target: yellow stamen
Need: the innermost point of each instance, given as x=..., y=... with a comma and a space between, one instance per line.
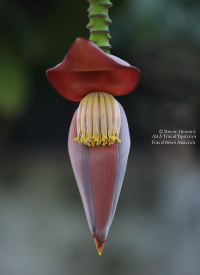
x=89, y=118
x=103, y=120
x=98, y=119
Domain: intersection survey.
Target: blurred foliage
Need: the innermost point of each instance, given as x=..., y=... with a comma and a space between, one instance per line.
x=147, y=22
x=14, y=84
x=30, y=37
x=36, y=35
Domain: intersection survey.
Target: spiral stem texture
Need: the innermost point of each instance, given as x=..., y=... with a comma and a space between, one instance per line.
x=99, y=22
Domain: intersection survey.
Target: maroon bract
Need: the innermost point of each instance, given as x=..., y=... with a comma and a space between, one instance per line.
x=99, y=172
x=86, y=68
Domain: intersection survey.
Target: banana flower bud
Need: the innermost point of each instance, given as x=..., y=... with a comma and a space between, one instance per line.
x=99, y=140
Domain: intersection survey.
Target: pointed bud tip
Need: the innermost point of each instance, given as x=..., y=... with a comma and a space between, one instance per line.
x=100, y=246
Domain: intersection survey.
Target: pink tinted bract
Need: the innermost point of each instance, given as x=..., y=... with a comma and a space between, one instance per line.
x=86, y=68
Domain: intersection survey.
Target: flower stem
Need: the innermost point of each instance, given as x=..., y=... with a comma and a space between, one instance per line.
x=99, y=22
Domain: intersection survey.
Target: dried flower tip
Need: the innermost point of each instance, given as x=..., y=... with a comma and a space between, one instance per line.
x=98, y=119
x=99, y=246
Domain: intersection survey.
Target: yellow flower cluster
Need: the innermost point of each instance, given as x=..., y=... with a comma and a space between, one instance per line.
x=98, y=119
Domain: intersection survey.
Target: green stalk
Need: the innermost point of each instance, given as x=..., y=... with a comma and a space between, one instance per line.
x=99, y=22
